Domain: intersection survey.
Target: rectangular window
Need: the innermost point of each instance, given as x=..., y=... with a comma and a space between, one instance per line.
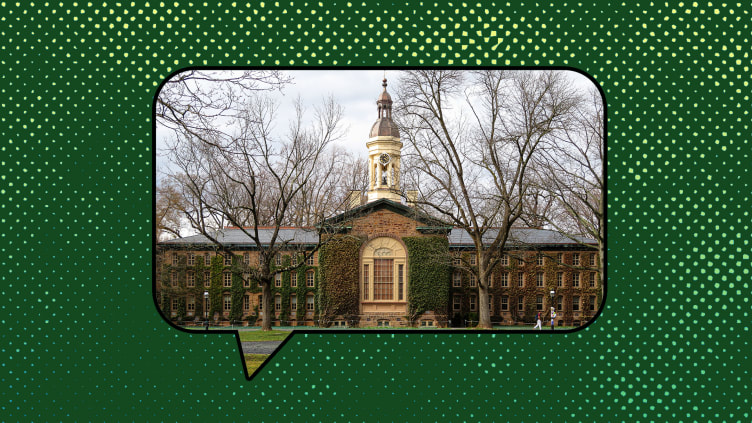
x=207, y=279
x=505, y=260
x=294, y=259
x=559, y=279
x=294, y=279
x=457, y=303
x=539, y=302
x=191, y=259
x=228, y=259
x=490, y=305
x=457, y=260
x=473, y=279
x=539, y=280
x=190, y=279
x=246, y=303
x=383, y=279
x=592, y=280
x=457, y=279
x=401, y=281
x=190, y=305
x=277, y=303
x=309, y=279
x=174, y=279
x=365, y=281
x=592, y=303
x=520, y=279
x=504, y=280
x=309, y=260
x=504, y=303
x=559, y=303
x=293, y=303
x=278, y=280
x=207, y=259
x=575, y=303
x=278, y=259
x=260, y=258
x=576, y=280
x=246, y=280
x=520, y=303
x=247, y=259
x=575, y=259
x=227, y=302
x=226, y=279
x=592, y=260
x=560, y=257
x=175, y=304
x=473, y=259
x=309, y=303
x=174, y=259
x=473, y=302
x=539, y=260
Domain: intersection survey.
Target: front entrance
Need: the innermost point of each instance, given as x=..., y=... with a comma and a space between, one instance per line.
x=383, y=278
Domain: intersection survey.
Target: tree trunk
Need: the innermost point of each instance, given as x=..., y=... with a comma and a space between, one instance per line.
x=266, y=321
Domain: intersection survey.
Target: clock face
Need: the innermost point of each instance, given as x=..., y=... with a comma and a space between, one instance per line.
x=384, y=158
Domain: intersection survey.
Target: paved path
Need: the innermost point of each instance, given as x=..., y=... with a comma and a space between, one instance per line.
x=260, y=347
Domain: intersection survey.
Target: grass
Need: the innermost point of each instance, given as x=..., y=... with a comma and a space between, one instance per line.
x=254, y=361
x=259, y=335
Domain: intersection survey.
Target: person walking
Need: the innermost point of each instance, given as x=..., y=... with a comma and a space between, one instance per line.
x=538, y=325
x=553, y=316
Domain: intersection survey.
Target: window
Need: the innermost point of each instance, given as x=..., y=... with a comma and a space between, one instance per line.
x=560, y=303
x=504, y=303
x=457, y=279
x=520, y=279
x=190, y=279
x=539, y=280
x=174, y=259
x=401, y=281
x=278, y=259
x=383, y=279
x=505, y=260
x=246, y=280
x=592, y=260
x=457, y=261
x=175, y=304
x=490, y=305
x=278, y=280
x=228, y=259
x=473, y=302
x=473, y=259
x=520, y=303
x=191, y=259
x=457, y=303
x=309, y=260
x=207, y=279
x=227, y=302
x=592, y=303
x=277, y=303
x=504, y=278
x=575, y=303
x=261, y=258
x=226, y=279
x=246, y=303
x=426, y=323
x=247, y=259
x=576, y=280
x=559, y=279
x=309, y=279
x=309, y=303
x=294, y=279
x=207, y=259
x=591, y=283
x=539, y=303
x=174, y=279
x=560, y=258
x=473, y=280
x=575, y=259
x=294, y=259
x=293, y=303
x=190, y=305
x=539, y=260
x=365, y=281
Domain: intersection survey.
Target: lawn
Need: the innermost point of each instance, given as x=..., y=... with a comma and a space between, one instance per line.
x=254, y=361
x=259, y=335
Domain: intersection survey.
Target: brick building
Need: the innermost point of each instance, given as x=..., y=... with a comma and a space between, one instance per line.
x=387, y=265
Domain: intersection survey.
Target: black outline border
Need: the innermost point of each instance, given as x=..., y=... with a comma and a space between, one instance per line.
x=371, y=331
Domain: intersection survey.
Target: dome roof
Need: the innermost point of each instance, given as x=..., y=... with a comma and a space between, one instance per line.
x=384, y=127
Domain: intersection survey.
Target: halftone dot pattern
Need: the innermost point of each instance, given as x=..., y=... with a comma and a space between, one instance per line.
x=81, y=338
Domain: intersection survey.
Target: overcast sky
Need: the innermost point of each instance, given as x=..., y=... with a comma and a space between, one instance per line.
x=355, y=90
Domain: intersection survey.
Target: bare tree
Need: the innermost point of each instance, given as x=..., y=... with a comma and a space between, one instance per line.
x=246, y=175
x=469, y=143
x=572, y=173
x=169, y=207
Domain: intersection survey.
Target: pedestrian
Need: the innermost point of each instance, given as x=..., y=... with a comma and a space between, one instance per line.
x=538, y=325
x=553, y=316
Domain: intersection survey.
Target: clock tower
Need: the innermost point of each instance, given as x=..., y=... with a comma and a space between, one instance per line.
x=384, y=147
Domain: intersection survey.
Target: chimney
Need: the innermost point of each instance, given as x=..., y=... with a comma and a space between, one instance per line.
x=412, y=197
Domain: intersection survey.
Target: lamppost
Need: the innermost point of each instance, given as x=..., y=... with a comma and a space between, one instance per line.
x=206, y=310
x=553, y=313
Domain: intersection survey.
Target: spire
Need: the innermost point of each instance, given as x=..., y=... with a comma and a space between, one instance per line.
x=384, y=103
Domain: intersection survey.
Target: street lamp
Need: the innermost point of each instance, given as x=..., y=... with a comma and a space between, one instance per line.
x=552, y=309
x=206, y=310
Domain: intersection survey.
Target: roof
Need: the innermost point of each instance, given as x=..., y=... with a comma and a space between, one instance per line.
x=384, y=127
x=392, y=206
x=520, y=237
x=237, y=237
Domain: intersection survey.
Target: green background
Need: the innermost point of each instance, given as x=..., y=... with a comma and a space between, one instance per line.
x=81, y=338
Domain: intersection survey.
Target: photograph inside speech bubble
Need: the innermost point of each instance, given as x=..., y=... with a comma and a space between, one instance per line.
x=373, y=200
